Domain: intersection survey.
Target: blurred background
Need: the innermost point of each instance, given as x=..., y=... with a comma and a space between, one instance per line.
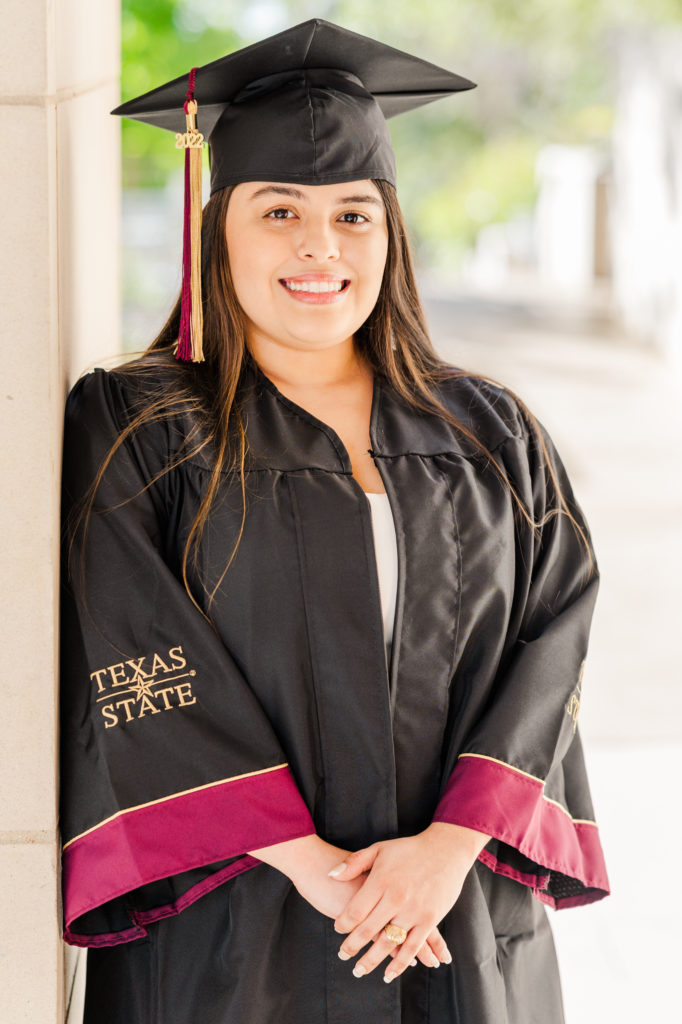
x=563, y=168
x=545, y=212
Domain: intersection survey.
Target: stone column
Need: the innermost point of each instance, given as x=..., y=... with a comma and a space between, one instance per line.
x=59, y=284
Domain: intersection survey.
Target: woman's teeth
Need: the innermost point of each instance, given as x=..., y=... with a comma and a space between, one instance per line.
x=314, y=286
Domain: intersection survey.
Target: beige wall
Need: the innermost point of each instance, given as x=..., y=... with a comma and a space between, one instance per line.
x=59, y=285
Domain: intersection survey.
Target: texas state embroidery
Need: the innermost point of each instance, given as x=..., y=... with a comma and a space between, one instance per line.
x=131, y=689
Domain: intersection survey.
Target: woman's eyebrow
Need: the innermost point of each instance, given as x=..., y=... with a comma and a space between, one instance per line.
x=295, y=193
x=280, y=190
x=360, y=199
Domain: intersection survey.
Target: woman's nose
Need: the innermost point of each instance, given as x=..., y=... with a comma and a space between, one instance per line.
x=318, y=241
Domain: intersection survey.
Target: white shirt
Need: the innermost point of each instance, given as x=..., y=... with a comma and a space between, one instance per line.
x=386, y=553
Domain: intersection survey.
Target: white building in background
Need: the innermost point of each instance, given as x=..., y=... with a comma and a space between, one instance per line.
x=607, y=225
x=647, y=215
x=570, y=218
x=559, y=252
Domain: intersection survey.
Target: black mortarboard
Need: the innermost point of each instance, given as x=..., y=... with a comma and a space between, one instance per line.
x=307, y=105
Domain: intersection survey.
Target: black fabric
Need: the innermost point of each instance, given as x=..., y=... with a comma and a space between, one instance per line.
x=306, y=105
x=254, y=952
x=126, y=601
x=299, y=633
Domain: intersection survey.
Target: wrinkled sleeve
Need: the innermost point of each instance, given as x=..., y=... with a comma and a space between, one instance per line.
x=170, y=769
x=520, y=777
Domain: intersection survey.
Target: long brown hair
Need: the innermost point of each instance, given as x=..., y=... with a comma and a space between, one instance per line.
x=394, y=341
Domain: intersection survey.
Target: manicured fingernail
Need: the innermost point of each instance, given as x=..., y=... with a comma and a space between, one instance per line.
x=413, y=963
x=343, y=955
x=359, y=970
x=337, y=870
x=389, y=976
x=447, y=958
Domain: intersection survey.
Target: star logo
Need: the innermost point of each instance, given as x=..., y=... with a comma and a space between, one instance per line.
x=142, y=688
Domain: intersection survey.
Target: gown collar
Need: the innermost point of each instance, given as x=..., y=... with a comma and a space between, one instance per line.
x=283, y=435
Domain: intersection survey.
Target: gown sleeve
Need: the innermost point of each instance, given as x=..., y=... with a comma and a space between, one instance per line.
x=170, y=769
x=520, y=775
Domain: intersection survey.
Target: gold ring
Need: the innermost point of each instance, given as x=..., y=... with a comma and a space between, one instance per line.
x=395, y=933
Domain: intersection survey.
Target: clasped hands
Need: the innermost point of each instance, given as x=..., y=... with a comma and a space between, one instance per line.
x=412, y=881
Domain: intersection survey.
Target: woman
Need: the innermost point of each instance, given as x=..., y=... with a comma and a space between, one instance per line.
x=304, y=726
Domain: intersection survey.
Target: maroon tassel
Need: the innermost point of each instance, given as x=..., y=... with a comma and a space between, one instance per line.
x=184, y=347
x=190, y=336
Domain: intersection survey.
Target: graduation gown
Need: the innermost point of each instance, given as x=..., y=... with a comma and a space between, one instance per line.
x=185, y=744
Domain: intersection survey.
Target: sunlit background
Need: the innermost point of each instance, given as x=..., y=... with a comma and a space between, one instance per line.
x=545, y=211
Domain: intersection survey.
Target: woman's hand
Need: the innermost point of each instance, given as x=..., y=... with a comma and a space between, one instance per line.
x=307, y=862
x=413, y=882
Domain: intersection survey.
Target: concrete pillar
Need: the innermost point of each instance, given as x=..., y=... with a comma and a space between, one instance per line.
x=59, y=274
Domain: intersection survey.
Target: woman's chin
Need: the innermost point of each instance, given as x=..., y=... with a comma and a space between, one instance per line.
x=313, y=343
x=310, y=336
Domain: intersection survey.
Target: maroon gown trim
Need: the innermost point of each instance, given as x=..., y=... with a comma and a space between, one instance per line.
x=175, y=834
x=508, y=804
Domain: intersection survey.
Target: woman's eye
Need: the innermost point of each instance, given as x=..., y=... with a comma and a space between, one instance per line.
x=352, y=214
x=280, y=209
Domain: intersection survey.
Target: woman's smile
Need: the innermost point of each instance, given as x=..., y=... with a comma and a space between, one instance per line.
x=316, y=289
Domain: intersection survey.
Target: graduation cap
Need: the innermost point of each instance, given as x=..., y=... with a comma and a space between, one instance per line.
x=307, y=105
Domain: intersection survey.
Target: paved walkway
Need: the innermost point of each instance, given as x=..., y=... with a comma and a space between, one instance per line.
x=614, y=412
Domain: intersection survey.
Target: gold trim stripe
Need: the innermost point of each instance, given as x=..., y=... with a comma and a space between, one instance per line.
x=534, y=778
x=485, y=757
x=172, y=796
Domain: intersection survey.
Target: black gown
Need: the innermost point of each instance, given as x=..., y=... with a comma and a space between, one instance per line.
x=185, y=744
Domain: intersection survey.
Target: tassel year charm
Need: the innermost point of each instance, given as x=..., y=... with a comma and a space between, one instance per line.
x=190, y=336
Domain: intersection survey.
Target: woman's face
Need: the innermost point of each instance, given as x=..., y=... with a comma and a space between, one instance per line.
x=288, y=244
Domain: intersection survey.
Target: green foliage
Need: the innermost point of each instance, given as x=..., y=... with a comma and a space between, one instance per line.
x=494, y=183
x=161, y=39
